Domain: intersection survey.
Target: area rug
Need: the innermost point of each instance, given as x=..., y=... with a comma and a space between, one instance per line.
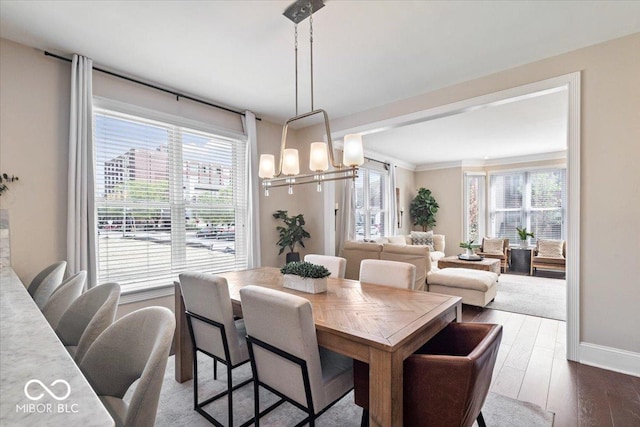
x=176, y=404
x=535, y=296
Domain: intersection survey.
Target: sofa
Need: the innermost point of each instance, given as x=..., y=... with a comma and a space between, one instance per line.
x=474, y=286
x=394, y=248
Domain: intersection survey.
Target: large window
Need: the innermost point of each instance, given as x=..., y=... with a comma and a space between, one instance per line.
x=533, y=199
x=474, y=206
x=372, y=207
x=169, y=198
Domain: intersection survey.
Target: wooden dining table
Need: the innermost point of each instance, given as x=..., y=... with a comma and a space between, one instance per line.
x=379, y=325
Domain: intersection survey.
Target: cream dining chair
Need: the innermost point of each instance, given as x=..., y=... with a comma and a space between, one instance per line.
x=88, y=316
x=285, y=357
x=46, y=282
x=134, y=348
x=335, y=264
x=214, y=333
x=63, y=297
x=388, y=273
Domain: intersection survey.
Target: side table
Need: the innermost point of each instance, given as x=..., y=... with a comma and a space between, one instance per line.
x=521, y=260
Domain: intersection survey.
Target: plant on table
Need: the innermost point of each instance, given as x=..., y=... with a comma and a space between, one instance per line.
x=523, y=234
x=468, y=245
x=306, y=269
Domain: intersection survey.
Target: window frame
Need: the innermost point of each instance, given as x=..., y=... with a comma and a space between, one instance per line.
x=132, y=292
x=526, y=210
x=482, y=205
x=366, y=210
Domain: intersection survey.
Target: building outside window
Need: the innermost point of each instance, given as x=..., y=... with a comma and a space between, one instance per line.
x=169, y=198
x=371, y=204
x=534, y=199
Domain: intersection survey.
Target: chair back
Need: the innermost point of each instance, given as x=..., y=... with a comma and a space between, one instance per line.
x=283, y=321
x=134, y=347
x=63, y=297
x=46, y=282
x=207, y=296
x=88, y=316
x=335, y=264
x=388, y=273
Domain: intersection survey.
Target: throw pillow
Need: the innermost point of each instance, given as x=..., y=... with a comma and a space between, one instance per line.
x=422, y=238
x=550, y=248
x=493, y=246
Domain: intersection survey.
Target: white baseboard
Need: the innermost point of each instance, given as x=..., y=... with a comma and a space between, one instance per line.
x=613, y=359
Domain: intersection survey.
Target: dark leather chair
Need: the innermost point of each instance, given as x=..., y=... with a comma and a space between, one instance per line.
x=447, y=380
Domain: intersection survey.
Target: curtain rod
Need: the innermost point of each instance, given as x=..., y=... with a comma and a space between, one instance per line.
x=178, y=95
x=377, y=161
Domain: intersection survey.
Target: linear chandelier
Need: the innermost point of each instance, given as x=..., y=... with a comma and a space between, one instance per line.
x=321, y=153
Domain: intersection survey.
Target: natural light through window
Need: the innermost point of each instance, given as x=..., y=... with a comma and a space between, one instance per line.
x=371, y=215
x=169, y=198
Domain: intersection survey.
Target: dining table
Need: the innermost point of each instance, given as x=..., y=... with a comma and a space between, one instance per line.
x=40, y=384
x=379, y=325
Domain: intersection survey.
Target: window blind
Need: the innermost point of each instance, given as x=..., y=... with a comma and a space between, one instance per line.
x=169, y=199
x=372, y=211
x=532, y=199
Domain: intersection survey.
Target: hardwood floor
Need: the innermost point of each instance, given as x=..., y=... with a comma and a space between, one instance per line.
x=532, y=367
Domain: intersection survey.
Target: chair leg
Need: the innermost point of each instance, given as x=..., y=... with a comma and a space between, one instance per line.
x=480, y=420
x=256, y=402
x=195, y=379
x=215, y=369
x=229, y=393
x=365, y=418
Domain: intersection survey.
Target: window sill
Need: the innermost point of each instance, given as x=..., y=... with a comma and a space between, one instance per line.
x=137, y=295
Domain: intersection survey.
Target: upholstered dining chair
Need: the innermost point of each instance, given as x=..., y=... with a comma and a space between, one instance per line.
x=46, y=282
x=135, y=347
x=335, y=264
x=446, y=381
x=87, y=317
x=388, y=273
x=63, y=297
x=214, y=333
x=285, y=356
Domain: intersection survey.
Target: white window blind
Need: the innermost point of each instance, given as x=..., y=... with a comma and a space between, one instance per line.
x=372, y=207
x=474, y=206
x=169, y=199
x=532, y=199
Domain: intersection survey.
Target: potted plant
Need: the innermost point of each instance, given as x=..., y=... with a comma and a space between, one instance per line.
x=291, y=234
x=423, y=209
x=305, y=277
x=523, y=234
x=468, y=246
x=4, y=180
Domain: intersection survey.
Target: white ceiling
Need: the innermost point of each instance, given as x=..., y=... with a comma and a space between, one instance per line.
x=366, y=53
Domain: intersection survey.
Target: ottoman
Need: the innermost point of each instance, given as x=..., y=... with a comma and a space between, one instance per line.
x=475, y=287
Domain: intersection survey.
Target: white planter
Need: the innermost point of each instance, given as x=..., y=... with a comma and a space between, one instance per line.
x=305, y=284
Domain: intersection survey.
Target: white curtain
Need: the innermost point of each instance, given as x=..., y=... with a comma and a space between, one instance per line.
x=393, y=203
x=346, y=230
x=253, y=189
x=81, y=209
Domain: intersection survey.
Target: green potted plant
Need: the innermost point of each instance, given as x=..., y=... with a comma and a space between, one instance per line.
x=4, y=179
x=305, y=277
x=423, y=209
x=468, y=245
x=291, y=234
x=523, y=234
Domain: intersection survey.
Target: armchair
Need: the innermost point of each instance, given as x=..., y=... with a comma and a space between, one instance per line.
x=496, y=248
x=549, y=255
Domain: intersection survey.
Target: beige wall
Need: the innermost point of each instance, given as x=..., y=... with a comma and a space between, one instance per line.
x=34, y=122
x=446, y=188
x=610, y=181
